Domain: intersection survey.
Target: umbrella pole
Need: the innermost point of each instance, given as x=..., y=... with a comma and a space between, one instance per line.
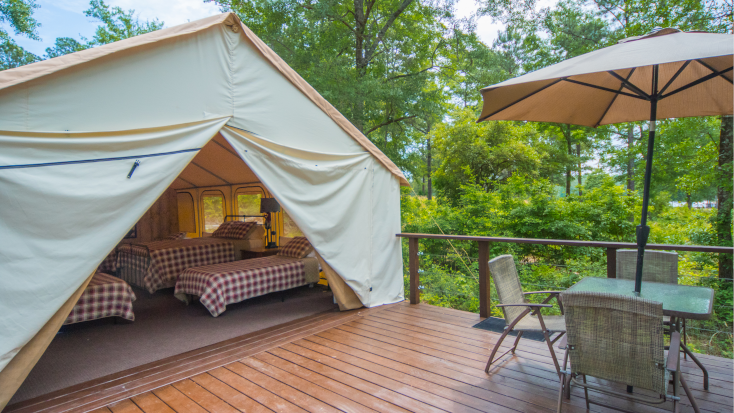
x=643, y=231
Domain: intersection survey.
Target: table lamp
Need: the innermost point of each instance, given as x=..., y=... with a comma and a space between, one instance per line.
x=268, y=206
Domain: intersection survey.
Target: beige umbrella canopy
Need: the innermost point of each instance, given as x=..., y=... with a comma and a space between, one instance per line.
x=615, y=84
x=664, y=74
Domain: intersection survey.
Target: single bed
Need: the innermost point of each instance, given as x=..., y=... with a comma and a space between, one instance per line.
x=218, y=285
x=157, y=264
x=105, y=296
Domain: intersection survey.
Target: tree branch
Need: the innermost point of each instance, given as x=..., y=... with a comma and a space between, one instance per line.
x=388, y=122
x=401, y=8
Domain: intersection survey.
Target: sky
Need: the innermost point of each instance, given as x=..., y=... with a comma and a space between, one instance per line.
x=65, y=18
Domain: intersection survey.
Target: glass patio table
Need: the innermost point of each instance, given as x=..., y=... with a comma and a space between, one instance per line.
x=679, y=301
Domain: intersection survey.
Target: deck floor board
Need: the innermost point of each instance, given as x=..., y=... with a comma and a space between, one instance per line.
x=395, y=358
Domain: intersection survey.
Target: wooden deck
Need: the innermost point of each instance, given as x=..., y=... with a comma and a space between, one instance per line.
x=394, y=358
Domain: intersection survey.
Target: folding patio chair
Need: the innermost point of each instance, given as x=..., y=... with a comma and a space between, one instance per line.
x=659, y=267
x=521, y=315
x=619, y=339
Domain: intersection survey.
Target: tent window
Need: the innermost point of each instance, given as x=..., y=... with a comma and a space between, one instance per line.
x=290, y=229
x=213, y=203
x=186, y=216
x=249, y=204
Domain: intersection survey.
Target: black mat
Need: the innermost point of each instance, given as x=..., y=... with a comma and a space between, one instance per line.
x=497, y=325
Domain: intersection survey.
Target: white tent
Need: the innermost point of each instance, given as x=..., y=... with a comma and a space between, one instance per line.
x=72, y=127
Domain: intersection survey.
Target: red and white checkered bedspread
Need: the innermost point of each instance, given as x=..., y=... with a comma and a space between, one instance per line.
x=169, y=258
x=105, y=296
x=232, y=282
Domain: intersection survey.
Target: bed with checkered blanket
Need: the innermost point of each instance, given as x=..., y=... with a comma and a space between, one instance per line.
x=222, y=284
x=157, y=264
x=105, y=296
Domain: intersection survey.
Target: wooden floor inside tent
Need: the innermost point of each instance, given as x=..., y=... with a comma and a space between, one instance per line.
x=394, y=358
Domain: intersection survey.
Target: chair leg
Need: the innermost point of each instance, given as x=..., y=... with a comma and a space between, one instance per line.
x=496, y=347
x=688, y=393
x=586, y=393
x=517, y=340
x=553, y=353
x=685, y=341
x=561, y=391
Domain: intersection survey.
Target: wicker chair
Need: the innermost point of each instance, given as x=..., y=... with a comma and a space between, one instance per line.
x=619, y=339
x=521, y=315
x=659, y=267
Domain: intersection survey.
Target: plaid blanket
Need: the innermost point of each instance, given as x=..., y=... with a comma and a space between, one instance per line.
x=105, y=296
x=109, y=265
x=232, y=282
x=155, y=265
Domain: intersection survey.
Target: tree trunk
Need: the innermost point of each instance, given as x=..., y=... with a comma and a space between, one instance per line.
x=567, y=136
x=724, y=195
x=428, y=166
x=688, y=201
x=360, y=60
x=630, y=160
x=578, y=154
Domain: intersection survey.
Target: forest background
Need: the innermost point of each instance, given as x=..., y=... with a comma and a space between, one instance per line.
x=408, y=74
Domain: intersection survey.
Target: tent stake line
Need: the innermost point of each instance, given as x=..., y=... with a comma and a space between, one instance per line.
x=121, y=158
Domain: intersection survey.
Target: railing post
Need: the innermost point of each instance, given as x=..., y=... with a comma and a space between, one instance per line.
x=611, y=263
x=415, y=295
x=484, y=281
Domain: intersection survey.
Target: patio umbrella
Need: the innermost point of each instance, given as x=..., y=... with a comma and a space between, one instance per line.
x=664, y=74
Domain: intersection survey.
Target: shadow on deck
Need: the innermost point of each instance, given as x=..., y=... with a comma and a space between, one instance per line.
x=399, y=357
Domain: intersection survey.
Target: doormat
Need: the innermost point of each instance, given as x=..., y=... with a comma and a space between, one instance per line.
x=497, y=325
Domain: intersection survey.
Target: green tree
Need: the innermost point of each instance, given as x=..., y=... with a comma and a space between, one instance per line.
x=18, y=14
x=374, y=60
x=482, y=154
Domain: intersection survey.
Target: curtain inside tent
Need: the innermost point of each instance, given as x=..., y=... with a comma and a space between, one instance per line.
x=347, y=205
x=67, y=201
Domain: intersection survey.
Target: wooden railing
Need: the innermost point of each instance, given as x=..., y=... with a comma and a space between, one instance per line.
x=483, y=256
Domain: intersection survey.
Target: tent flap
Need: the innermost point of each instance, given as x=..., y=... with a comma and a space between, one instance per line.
x=330, y=196
x=60, y=220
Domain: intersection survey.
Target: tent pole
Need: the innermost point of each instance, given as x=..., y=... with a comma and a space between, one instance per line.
x=643, y=231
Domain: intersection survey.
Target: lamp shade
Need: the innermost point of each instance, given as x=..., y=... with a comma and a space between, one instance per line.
x=269, y=205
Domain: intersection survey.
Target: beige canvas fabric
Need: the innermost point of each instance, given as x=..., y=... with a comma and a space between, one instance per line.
x=9, y=78
x=550, y=94
x=196, y=104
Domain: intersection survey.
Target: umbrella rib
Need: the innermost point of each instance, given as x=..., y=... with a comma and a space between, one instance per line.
x=614, y=99
x=606, y=89
x=521, y=99
x=675, y=76
x=694, y=83
x=707, y=66
x=629, y=85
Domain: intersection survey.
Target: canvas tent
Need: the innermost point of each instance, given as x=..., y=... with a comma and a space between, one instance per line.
x=72, y=127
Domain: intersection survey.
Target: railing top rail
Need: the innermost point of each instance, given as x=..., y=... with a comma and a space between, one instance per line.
x=597, y=244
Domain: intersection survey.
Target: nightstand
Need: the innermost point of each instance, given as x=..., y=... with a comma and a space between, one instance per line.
x=259, y=253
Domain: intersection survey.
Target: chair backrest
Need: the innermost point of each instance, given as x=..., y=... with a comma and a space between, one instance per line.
x=616, y=337
x=507, y=283
x=658, y=266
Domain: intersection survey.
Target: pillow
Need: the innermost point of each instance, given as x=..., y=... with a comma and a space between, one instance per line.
x=233, y=229
x=299, y=247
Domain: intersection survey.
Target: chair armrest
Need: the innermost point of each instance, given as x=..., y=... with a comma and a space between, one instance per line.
x=674, y=352
x=531, y=305
x=542, y=292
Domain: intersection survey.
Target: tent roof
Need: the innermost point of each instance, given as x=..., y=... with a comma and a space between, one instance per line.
x=23, y=74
